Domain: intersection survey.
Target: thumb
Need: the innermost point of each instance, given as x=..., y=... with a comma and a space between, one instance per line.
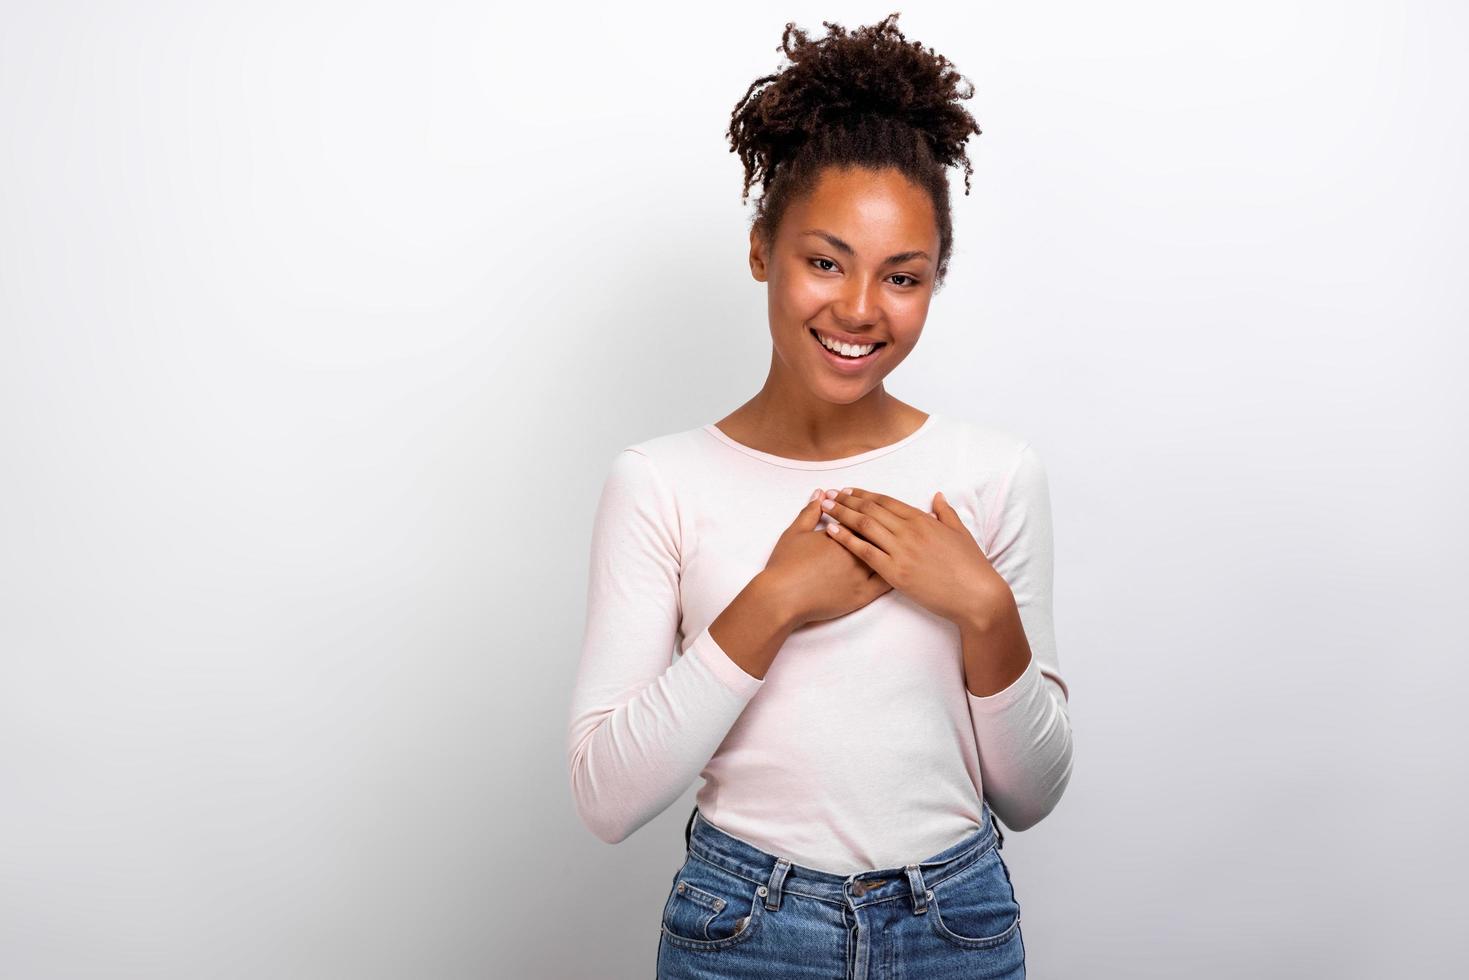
x=810, y=515
x=946, y=515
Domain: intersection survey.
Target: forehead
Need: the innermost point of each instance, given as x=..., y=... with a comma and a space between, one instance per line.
x=881, y=208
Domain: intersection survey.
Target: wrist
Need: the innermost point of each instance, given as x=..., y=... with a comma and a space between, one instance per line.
x=778, y=600
x=994, y=607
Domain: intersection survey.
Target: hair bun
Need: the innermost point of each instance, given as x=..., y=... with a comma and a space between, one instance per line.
x=851, y=79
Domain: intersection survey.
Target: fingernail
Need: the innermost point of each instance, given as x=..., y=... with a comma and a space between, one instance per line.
x=831, y=494
x=814, y=495
x=846, y=489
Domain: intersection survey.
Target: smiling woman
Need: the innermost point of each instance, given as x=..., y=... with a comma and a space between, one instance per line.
x=852, y=233
x=850, y=271
x=862, y=703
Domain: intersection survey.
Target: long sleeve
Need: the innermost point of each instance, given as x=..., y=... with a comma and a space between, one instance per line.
x=640, y=728
x=1024, y=731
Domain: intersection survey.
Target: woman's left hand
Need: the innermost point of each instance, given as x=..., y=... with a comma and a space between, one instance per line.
x=928, y=556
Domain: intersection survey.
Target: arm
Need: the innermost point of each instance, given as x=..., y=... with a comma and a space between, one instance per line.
x=639, y=728
x=1023, y=728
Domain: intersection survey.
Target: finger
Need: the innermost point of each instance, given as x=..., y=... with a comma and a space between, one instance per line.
x=875, y=557
x=867, y=502
x=946, y=514
x=865, y=517
x=893, y=505
x=810, y=515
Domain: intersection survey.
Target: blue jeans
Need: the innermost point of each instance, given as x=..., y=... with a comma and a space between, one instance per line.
x=735, y=911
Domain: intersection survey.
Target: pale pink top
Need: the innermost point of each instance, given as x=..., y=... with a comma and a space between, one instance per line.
x=861, y=748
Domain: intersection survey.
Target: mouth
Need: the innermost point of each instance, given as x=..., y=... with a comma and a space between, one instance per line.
x=841, y=361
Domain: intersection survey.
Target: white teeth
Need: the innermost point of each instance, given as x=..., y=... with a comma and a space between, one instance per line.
x=847, y=350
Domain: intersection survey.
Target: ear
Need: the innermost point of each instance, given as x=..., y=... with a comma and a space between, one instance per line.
x=757, y=256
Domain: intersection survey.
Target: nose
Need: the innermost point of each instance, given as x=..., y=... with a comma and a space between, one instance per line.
x=858, y=306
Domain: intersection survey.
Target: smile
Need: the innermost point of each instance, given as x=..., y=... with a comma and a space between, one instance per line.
x=847, y=356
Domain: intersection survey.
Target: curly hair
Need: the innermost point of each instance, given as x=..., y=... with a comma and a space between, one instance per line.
x=867, y=98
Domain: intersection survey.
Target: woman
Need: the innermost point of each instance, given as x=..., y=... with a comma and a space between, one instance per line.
x=866, y=680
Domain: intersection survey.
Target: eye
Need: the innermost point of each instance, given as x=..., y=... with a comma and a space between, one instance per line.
x=824, y=260
x=903, y=275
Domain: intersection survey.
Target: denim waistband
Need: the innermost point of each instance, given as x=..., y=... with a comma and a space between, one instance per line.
x=777, y=875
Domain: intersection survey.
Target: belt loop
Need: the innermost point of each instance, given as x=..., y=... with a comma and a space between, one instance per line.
x=919, y=889
x=771, y=891
x=688, y=829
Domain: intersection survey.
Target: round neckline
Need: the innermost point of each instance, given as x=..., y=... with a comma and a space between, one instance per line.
x=820, y=464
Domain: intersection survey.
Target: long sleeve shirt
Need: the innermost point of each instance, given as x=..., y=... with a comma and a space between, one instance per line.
x=861, y=747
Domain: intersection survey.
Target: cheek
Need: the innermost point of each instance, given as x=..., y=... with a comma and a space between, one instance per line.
x=907, y=320
x=913, y=309
x=798, y=299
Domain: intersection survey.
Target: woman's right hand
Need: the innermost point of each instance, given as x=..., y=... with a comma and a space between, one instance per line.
x=818, y=577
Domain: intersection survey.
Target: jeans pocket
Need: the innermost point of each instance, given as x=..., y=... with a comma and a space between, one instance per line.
x=975, y=908
x=710, y=908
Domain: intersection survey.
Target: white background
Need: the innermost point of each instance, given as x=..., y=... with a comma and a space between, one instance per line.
x=323, y=321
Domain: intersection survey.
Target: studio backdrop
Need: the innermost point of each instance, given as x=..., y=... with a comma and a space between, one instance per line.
x=321, y=324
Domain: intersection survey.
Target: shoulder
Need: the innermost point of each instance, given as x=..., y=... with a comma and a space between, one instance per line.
x=669, y=447
x=992, y=450
x=660, y=460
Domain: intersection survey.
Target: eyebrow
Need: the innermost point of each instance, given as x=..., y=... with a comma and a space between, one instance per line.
x=840, y=245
